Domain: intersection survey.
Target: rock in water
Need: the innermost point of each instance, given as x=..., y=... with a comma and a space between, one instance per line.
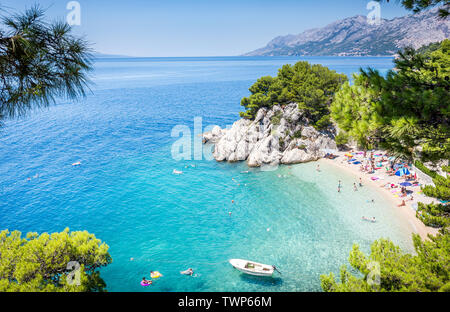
x=276, y=135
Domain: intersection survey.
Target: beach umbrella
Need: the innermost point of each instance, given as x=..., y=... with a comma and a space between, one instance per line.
x=401, y=172
x=405, y=184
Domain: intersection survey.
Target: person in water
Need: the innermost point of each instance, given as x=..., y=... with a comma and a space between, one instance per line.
x=146, y=281
x=368, y=219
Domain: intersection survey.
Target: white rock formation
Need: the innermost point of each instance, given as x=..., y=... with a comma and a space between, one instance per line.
x=279, y=135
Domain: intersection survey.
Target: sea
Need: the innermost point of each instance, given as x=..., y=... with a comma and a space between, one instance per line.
x=126, y=133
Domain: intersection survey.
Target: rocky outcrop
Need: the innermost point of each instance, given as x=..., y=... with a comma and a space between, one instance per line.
x=280, y=135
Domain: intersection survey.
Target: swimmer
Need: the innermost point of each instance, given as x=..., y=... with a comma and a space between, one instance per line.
x=318, y=168
x=132, y=259
x=368, y=219
x=146, y=281
x=188, y=272
x=232, y=201
x=229, y=213
x=76, y=163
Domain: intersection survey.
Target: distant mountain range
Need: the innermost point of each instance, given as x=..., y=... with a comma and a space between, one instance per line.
x=354, y=36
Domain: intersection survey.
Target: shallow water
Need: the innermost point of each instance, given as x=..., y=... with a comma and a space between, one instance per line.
x=125, y=192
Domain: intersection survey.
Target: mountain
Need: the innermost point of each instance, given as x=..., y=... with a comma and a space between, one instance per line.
x=354, y=36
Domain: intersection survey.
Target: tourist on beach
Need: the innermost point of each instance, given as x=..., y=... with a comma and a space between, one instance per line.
x=354, y=187
x=360, y=182
x=402, y=204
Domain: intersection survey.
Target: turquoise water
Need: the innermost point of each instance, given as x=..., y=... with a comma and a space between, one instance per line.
x=126, y=194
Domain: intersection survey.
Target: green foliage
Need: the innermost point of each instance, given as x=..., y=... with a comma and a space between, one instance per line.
x=429, y=48
x=441, y=190
x=281, y=143
x=323, y=123
x=420, y=5
x=40, y=262
x=355, y=111
x=297, y=134
x=39, y=62
x=398, y=271
x=341, y=139
x=434, y=215
x=311, y=86
x=425, y=170
x=276, y=119
x=406, y=112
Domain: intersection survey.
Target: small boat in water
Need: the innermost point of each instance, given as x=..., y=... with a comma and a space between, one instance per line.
x=253, y=268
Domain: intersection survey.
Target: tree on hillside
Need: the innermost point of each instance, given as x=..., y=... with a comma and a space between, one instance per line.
x=39, y=62
x=312, y=87
x=406, y=112
x=420, y=5
x=43, y=262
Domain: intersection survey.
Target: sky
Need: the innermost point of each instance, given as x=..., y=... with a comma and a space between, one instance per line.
x=196, y=27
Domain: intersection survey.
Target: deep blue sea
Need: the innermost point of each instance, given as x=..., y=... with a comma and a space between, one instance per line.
x=125, y=193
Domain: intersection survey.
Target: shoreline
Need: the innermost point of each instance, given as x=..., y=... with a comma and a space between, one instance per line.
x=406, y=212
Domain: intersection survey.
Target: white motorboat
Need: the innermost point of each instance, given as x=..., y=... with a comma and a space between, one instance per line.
x=253, y=268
